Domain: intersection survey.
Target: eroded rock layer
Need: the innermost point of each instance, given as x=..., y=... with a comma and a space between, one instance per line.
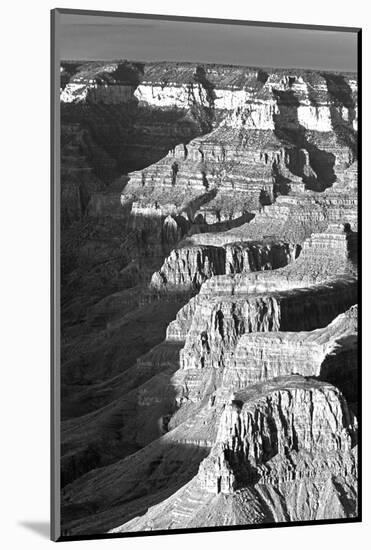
x=209, y=290
x=291, y=438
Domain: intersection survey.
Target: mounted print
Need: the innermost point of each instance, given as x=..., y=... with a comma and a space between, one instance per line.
x=205, y=192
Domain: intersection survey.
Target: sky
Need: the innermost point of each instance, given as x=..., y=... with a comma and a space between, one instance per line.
x=96, y=37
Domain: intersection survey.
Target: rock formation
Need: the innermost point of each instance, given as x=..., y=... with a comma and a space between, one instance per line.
x=209, y=290
x=281, y=451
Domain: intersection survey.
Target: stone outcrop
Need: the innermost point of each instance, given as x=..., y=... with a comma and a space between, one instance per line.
x=245, y=257
x=264, y=132
x=217, y=325
x=254, y=445
x=209, y=282
x=328, y=353
x=306, y=294
x=293, y=218
x=106, y=83
x=189, y=266
x=278, y=135
x=282, y=451
x=324, y=256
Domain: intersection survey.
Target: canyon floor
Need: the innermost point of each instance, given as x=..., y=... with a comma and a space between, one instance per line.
x=209, y=363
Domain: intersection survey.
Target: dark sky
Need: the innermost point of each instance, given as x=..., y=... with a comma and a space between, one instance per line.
x=108, y=38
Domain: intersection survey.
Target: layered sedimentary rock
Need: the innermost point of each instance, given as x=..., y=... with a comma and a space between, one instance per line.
x=99, y=82
x=218, y=324
x=304, y=295
x=281, y=453
x=329, y=353
x=189, y=266
x=293, y=218
x=324, y=256
x=209, y=358
x=279, y=133
x=197, y=432
x=254, y=445
x=270, y=132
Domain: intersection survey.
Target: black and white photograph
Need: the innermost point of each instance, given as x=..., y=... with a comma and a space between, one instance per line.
x=206, y=370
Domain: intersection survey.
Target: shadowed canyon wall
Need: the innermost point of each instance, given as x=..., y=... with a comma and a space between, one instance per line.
x=209, y=290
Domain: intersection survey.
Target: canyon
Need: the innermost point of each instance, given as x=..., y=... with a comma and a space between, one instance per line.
x=209, y=361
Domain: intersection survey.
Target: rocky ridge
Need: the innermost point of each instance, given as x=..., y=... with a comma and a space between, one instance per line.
x=276, y=439
x=208, y=340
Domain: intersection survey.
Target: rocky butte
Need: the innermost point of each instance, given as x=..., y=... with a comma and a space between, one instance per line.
x=209, y=296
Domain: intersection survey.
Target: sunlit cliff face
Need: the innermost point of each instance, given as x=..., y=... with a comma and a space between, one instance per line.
x=209, y=262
